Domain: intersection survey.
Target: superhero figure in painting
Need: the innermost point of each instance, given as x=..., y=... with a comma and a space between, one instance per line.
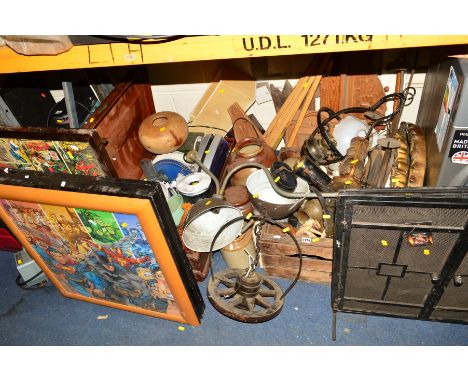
x=119, y=283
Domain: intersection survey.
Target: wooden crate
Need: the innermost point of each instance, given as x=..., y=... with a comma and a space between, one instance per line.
x=279, y=256
x=117, y=121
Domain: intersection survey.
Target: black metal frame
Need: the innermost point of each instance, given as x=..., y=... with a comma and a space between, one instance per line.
x=450, y=198
x=126, y=188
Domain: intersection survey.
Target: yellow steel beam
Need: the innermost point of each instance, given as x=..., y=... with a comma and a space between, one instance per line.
x=198, y=48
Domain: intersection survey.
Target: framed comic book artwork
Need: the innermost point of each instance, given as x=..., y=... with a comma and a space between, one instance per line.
x=64, y=151
x=107, y=241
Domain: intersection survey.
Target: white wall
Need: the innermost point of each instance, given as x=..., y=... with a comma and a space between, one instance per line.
x=183, y=97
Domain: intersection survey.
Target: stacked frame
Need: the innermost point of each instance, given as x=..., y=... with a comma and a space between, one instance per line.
x=63, y=151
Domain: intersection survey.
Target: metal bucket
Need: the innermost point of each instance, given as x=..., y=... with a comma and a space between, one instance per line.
x=267, y=201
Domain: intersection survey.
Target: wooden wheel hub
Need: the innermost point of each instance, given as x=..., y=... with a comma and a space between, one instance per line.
x=253, y=298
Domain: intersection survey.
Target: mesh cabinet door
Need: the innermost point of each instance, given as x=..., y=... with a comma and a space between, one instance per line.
x=401, y=253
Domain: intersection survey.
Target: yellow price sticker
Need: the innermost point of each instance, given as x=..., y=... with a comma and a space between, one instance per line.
x=300, y=164
x=277, y=179
x=208, y=203
x=162, y=129
x=326, y=217
x=207, y=151
x=315, y=240
x=395, y=180
x=426, y=252
x=348, y=182
x=91, y=120
x=249, y=216
x=286, y=229
x=384, y=243
x=255, y=196
x=354, y=161
x=124, y=225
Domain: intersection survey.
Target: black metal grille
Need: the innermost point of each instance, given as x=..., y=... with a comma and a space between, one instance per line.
x=431, y=257
x=369, y=247
x=366, y=284
x=399, y=256
x=463, y=268
x=407, y=215
x=411, y=289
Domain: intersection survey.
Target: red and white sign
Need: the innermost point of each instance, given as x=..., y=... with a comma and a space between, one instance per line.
x=460, y=157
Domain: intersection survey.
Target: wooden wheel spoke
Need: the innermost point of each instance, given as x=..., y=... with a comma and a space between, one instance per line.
x=234, y=302
x=225, y=292
x=247, y=298
x=267, y=293
x=250, y=303
x=262, y=302
x=225, y=281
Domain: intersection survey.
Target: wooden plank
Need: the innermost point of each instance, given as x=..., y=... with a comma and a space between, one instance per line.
x=306, y=275
x=229, y=87
x=284, y=249
x=330, y=92
x=283, y=118
x=293, y=263
x=305, y=107
x=307, y=127
x=325, y=65
x=197, y=48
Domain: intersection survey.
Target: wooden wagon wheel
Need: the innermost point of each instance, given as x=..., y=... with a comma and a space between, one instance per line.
x=246, y=297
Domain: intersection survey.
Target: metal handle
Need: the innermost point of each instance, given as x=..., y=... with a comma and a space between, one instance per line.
x=191, y=157
x=458, y=281
x=286, y=194
x=435, y=278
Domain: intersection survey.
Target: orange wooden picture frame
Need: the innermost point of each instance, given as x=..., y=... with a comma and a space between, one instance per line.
x=144, y=200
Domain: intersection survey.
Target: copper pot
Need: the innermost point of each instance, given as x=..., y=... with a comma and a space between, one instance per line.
x=249, y=150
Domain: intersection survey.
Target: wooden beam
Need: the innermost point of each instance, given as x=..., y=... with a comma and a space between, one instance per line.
x=315, y=83
x=283, y=118
x=199, y=48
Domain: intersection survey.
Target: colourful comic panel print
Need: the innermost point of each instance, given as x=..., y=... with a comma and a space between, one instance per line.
x=96, y=254
x=14, y=155
x=80, y=158
x=77, y=158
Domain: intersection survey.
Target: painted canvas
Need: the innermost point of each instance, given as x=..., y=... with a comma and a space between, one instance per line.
x=95, y=253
